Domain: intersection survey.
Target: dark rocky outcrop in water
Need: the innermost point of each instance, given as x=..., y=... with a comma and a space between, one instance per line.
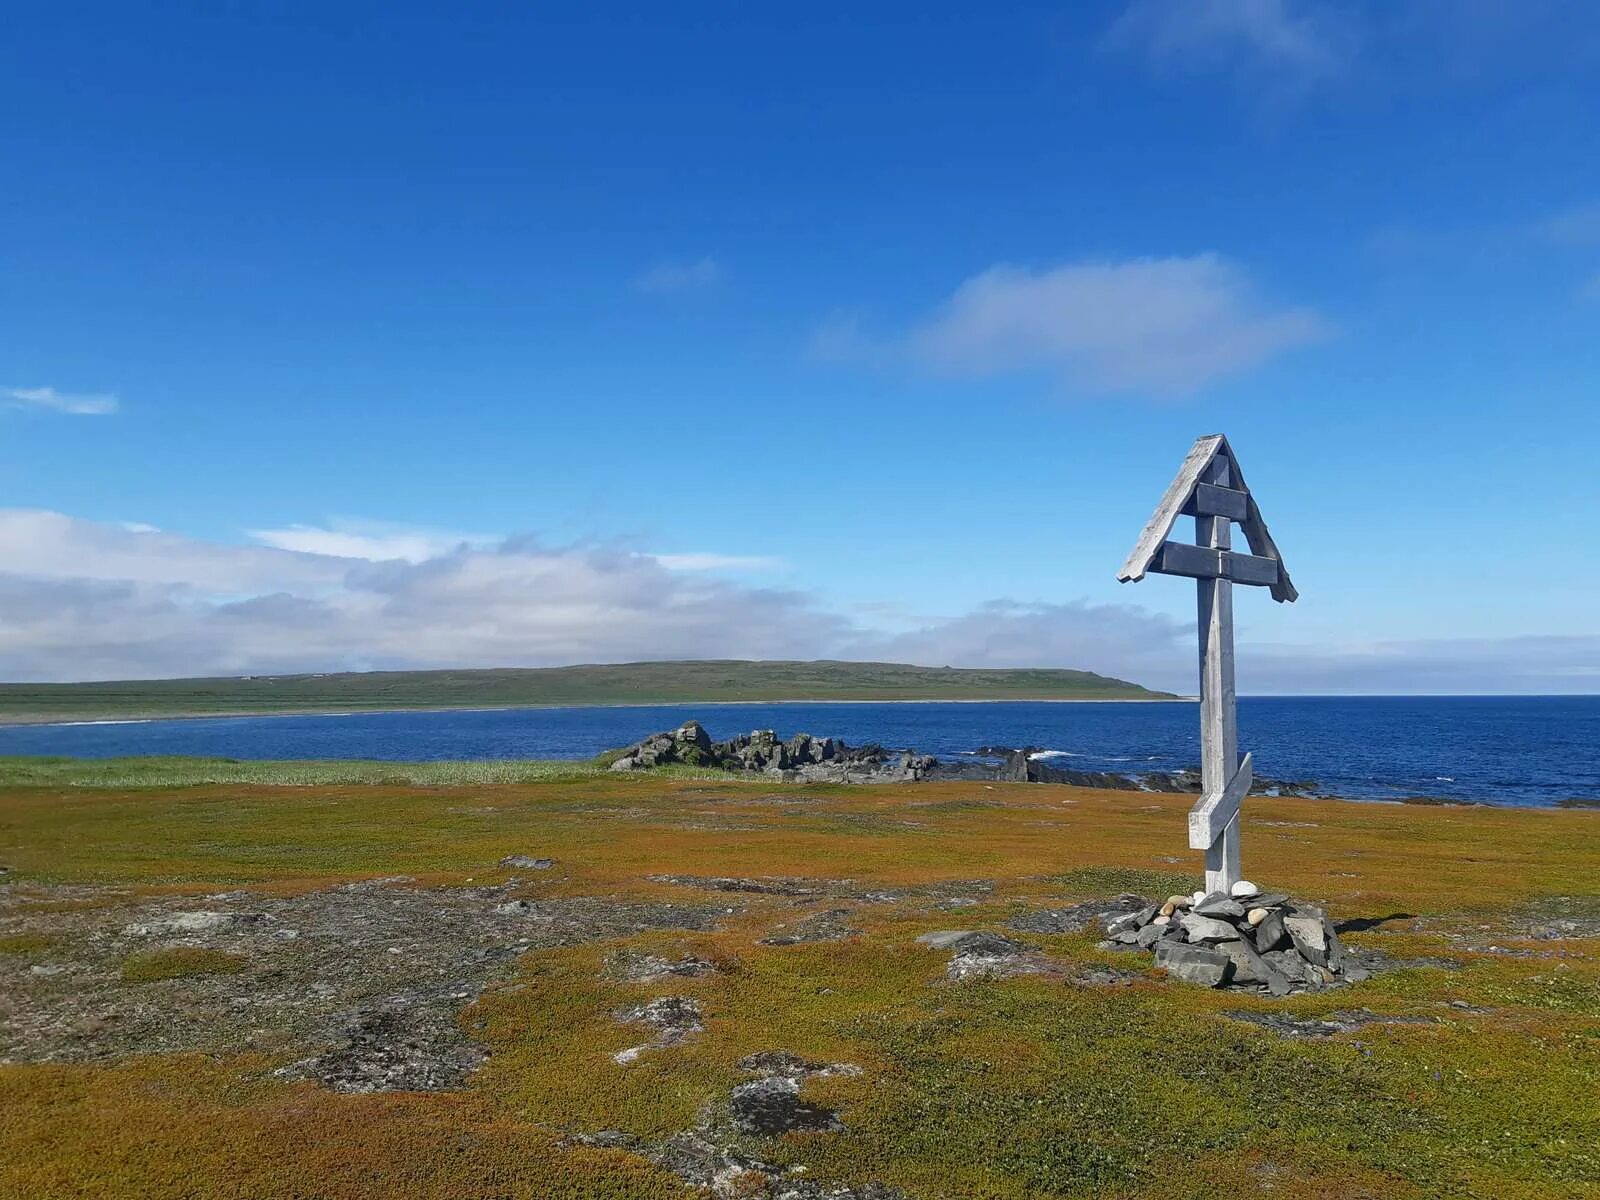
x=801, y=758
x=807, y=759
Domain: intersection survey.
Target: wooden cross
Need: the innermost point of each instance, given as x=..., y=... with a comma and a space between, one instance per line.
x=1210, y=488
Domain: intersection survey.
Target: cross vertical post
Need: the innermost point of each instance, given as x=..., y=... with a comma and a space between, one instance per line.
x=1219, y=726
x=1210, y=487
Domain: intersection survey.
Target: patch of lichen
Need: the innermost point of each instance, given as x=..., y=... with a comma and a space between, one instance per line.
x=1019, y=1088
x=179, y=962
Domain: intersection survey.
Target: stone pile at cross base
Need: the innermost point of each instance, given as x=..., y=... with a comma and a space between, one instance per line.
x=1243, y=938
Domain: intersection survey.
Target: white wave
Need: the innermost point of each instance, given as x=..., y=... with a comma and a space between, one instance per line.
x=70, y=724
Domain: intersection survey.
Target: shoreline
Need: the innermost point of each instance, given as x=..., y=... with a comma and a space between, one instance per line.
x=12, y=720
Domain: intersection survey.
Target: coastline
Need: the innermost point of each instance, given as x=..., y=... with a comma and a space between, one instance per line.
x=28, y=719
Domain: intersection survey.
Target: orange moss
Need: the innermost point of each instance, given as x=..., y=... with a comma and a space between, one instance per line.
x=185, y=1127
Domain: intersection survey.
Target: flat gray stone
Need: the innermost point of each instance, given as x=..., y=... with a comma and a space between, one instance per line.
x=1131, y=921
x=1288, y=964
x=1218, y=905
x=1270, y=934
x=1250, y=967
x=1151, y=934
x=1310, y=937
x=1206, y=929
x=1193, y=964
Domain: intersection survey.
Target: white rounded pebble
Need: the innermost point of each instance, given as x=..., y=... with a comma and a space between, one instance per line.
x=1162, y=920
x=1197, y=897
x=1243, y=888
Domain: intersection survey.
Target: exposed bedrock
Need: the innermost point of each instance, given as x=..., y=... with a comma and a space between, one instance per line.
x=807, y=759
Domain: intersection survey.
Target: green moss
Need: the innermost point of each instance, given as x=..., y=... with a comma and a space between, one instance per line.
x=27, y=943
x=179, y=962
x=1101, y=881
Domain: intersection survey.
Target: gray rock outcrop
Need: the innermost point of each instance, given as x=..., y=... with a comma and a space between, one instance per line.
x=801, y=758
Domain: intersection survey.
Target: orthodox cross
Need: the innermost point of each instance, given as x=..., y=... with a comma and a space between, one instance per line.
x=1210, y=488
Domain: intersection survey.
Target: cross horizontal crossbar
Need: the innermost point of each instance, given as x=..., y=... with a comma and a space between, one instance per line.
x=1209, y=500
x=1203, y=562
x=1210, y=817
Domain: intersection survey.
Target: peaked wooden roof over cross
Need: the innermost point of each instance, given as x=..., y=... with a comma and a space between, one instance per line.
x=1210, y=458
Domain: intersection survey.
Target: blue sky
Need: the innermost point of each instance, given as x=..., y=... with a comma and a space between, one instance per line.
x=360, y=336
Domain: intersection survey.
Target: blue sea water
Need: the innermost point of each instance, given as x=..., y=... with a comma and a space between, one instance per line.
x=1516, y=750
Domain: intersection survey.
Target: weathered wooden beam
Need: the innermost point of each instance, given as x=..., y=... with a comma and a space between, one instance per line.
x=1255, y=532
x=1212, y=501
x=1171, y=507
x=1247, y=568
x=1219, y=735
x=1204, y=562
x=1193, y=562
x=1209, y=819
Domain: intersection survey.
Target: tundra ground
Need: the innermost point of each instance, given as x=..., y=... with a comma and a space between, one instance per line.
x=596, y=986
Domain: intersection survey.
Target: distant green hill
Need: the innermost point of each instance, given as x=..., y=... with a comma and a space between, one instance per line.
x=625, y=683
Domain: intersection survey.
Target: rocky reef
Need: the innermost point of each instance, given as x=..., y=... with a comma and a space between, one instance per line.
x=807, y=759
x=802, y=758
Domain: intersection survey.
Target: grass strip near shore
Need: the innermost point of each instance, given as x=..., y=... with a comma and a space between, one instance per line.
x=707, y=682
x=1475, y=1079
x=178, y=771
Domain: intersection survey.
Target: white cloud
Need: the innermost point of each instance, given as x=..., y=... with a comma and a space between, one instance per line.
x=719, y=562
x=679, y=276
x=1130, y=642
x=1122, y=640
x=1298, y=40
x=85, y=599
x=371, y=540
x=90, y=600
x=83, y=404
x=52, y=545
x=1170, y=325
x=1532, y=664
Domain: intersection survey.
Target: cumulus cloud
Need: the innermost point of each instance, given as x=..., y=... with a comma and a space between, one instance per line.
x=1169, y=325
x=1130, y=642
x=1113, y=639
x=92, y=600
x=85, y=599
x=679, y=276
x=375, y=541
x=704, y=561
x=1531, y=664
x=81, y=404
x=55, y=546
x=1299, y=40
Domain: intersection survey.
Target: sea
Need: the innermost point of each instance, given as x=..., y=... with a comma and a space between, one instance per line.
x=1535, y=751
